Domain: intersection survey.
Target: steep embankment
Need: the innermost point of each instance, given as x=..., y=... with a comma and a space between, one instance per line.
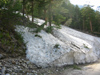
x=65, y=46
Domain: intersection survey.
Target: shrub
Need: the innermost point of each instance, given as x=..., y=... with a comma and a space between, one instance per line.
x=19, y=38
x=56, y=46
x=1, y=35
x=36, y=35
x=49, y=29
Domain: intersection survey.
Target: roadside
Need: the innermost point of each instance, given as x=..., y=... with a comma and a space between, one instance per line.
x=22, y=66
x=88, y=69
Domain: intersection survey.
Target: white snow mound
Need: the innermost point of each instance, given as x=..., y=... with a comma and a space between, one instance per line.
x=66, y=46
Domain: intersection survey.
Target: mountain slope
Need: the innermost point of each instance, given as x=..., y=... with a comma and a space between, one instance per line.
x=66, y=46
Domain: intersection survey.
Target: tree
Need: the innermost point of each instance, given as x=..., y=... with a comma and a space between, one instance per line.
x=57, y=11
x=50, y=11
x=23, y=7
x=88, y=15
x=97, y=21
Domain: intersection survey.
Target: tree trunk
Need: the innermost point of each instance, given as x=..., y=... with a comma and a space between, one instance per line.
x=32, y=11
x=45, y=14
x=91, y=26
x=50, y=15
x=83, y=25
x=23, y=7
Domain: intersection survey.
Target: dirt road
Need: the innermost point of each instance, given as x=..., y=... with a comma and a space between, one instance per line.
x=90, y=69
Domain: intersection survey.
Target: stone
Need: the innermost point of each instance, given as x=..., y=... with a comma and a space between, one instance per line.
x=7, y=74
x=0, y=64
x=9, y=71
x=15, y=67
x=0, y=68
x=3, y=70
x=13, y=62
x=24, y=65
x=1, y=56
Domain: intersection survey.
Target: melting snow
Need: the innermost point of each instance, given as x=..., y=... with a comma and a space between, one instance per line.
x=73, y=46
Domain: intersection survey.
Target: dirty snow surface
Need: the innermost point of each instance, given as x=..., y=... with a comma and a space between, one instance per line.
x=65, y=46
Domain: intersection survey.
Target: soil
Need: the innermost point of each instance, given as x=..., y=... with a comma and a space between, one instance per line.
x=22, y=66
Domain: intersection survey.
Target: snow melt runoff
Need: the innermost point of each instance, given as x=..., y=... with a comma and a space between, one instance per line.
x=65, y=46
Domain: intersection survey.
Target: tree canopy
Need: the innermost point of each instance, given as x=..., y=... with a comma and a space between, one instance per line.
x=57, y=12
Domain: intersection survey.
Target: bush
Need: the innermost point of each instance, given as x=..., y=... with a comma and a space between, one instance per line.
x=19, y=38
x=56, y=46
x=11, y=42
x=1, y=35
x=7, y=20
x=49, y=29
x=40, y=27
x=38, y=36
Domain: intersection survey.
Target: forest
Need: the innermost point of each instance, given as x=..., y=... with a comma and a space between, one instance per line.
x=49, y=37
x=59, y=12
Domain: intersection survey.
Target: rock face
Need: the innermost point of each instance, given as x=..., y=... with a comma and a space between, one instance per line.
x=65, y=46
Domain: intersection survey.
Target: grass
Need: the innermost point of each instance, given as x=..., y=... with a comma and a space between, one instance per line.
x=76, y=67
x=86, y=46
x=72, y=66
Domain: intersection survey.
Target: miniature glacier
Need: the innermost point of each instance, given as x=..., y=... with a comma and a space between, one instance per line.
x=72, y=47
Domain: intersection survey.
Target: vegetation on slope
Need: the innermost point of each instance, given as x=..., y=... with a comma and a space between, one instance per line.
x=11, y=42
x=57, y=12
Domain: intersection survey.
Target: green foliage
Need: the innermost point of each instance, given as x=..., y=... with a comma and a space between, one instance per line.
x=19, y=38
x=4, y=1
x=11, y=42
x=32, y=25
x=3, y=41
x=1, y=35
x=17, y=6
x=58, y=26
x=12, y=5
x=41, y=27
x=72, y=66
x=49, y=29
x=76, y=67
x=88, y=14
x=56, y=46
x=36, y=35
x=60, y=12
x=68, y=22
x=86, y=46
x=8, y=20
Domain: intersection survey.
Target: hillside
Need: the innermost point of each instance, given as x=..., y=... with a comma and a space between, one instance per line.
x=62, y=47
x=36, y=38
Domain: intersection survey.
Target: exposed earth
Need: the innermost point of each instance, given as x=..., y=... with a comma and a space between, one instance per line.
x=22, y=66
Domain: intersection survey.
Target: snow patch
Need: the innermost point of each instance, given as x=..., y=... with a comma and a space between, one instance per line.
x=73, y=47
